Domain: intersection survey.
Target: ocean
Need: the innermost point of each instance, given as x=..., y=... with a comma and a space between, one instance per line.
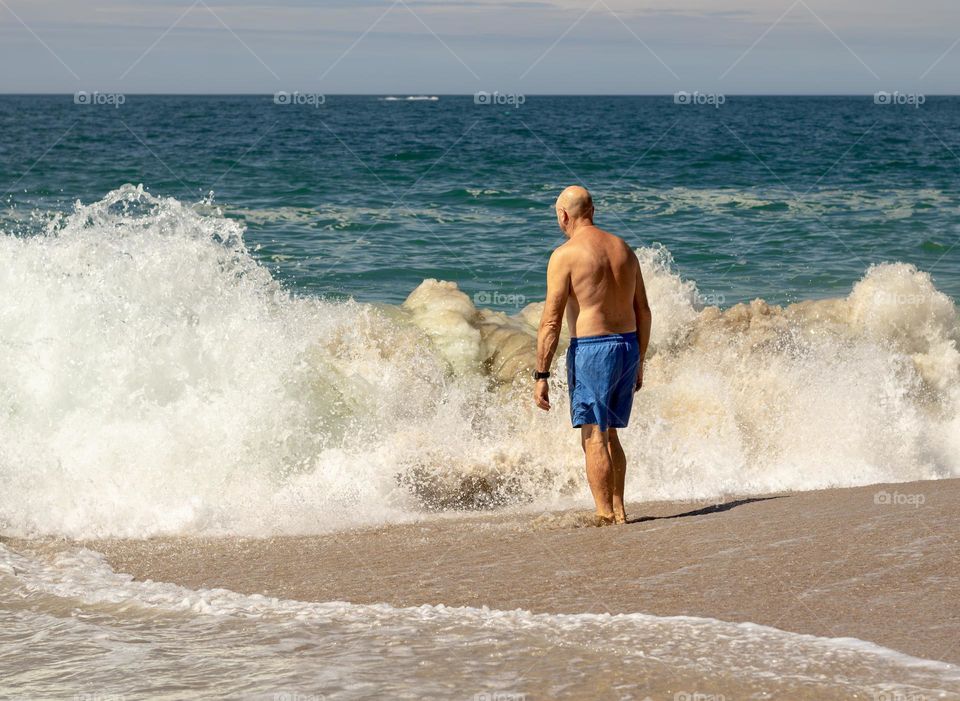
x=229, y=317
x=774, y=197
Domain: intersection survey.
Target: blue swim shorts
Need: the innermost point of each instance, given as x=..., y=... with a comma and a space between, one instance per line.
x=602, y=374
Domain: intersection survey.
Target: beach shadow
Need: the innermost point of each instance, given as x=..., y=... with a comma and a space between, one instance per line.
x=714, y=509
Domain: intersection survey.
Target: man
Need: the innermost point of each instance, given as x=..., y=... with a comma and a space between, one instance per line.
x=596, y=277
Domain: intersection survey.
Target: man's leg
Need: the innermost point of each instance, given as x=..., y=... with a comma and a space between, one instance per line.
x=619, y=462
x=599, y=469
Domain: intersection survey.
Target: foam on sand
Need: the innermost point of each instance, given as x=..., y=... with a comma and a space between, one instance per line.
x=79, y=610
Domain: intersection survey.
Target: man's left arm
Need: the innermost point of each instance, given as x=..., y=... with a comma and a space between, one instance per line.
x=551, y=322
x=641, y=308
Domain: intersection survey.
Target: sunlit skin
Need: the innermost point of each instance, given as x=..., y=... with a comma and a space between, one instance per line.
x=595, y=276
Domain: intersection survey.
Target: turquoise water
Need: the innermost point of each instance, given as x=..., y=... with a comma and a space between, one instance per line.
x=773, y=197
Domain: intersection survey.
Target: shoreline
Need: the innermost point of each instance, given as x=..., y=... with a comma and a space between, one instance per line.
x=833, y=563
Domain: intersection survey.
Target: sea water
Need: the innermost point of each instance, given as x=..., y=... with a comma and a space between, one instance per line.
x=223, y=316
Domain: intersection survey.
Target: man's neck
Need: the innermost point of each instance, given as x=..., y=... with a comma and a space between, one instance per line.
x=580, y=226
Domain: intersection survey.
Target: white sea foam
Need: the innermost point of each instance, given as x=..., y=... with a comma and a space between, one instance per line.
x=100, y=618
x=894, y=203
x=154, y=378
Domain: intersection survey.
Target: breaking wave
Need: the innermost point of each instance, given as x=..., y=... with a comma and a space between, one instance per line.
x=154, y=378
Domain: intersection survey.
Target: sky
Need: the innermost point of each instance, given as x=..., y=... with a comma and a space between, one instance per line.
x=465, y=46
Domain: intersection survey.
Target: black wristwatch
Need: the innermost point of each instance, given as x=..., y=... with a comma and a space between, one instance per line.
x=541, y=375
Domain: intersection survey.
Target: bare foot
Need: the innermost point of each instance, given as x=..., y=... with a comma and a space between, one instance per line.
x=587, y=519
x=603, y=520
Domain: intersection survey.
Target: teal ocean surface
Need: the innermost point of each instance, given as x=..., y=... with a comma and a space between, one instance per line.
x=775, y=197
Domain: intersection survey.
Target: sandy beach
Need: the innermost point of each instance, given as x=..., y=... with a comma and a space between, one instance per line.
x=876, y=563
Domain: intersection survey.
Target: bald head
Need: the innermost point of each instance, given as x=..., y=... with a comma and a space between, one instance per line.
x=577, y=201
x=574, y=206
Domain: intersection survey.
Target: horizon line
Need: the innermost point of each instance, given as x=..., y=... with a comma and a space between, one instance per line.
x=442, y=94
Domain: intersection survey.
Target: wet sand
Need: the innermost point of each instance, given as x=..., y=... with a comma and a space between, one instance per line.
x=831, y=563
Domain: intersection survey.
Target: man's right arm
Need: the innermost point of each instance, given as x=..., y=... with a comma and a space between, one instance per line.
x=641, y=308
x=548, y=335
x=551, y=321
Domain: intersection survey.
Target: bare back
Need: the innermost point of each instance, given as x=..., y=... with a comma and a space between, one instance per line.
x=603, y=274
x=595, y=277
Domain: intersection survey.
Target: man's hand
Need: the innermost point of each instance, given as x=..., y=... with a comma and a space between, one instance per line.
x=541, y=395
x=639, y=377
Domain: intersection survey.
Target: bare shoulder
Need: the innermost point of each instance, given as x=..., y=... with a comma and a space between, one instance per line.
x=611, y=238
x=618, y=243
x=562, y=255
